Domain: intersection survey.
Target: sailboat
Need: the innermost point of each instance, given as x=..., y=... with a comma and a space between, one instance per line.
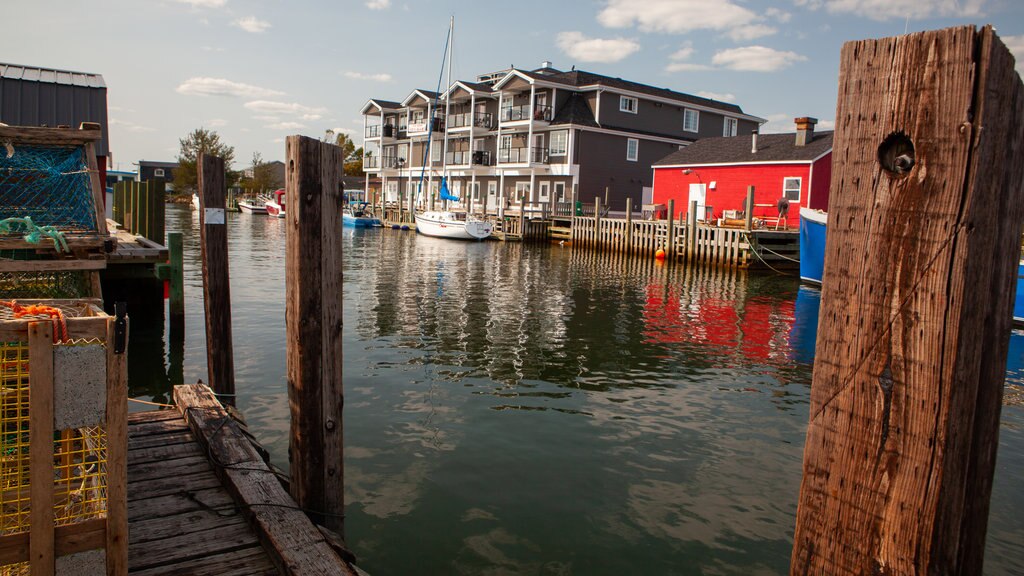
x=448, y=223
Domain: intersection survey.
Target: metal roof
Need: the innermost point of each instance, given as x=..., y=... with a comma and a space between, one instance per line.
x=51, y=76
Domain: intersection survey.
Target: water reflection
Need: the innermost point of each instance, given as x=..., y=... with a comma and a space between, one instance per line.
x=513, y=408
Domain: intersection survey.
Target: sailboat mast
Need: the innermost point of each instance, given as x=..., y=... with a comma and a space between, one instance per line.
x=447, y=102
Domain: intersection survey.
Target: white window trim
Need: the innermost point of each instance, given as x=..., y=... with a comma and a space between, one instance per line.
x=623, y=107
x=799, y=189
x=158, y=172
x=544, y=191
x=726, y=123
x=565, y=144
x=636, y=149
x=559, y=197
x=697, y=127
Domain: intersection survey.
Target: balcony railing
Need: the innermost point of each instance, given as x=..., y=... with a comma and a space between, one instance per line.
x=376, y=130
x=526, y=112
x=464, y=157
x=476, y=119
x=423, y=126
x=522, y=155
x=377, y=162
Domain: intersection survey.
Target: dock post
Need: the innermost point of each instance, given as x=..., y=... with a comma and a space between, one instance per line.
x=917, y=293
x=597, y=222
x=691, y=232
x=748, y=210
x=629, y=225
x=670, y=237
x=176, y=305
x=313, y=318
x=213, y=235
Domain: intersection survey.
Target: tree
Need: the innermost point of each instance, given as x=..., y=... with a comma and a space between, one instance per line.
x=353, y=155
x=201, y=140
x=261, y=175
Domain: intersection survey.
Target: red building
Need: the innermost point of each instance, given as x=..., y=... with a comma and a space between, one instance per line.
x=716, y=172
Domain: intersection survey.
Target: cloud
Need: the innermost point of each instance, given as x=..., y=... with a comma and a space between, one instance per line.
x=678, y=60
x=380, y=77
x=212, y=49
x=267, y=118
x=686, y=67
x=682, y=16
x=294, y=109
x=1016, y=46
x=217, y=123
x=203, y=86
x=204, y=3
x=755, y=59
x=130, y=126
x=899, y=9
x=780, y=15
x=286, y=126
x=578, y=46
x=783, y=123
x=252, y=24
x=378, y=4
x=720, y=96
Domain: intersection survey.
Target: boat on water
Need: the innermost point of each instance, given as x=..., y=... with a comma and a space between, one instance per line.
x=813, y=228
x=458, y=225
x=275, y=205
x=257, y=206
x=812, y=244
x=356, y=216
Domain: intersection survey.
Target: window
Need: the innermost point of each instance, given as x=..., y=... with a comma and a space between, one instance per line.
x=560, y=191
x=559, y=142
x=403, y=123
x=158, y=172
x=506, y=142
x=435, y=151
x=476, y=190
x=522, y=190
x=691, y=120
x=492, y=190
x=627, y=104
x=632, y=149
x=542, y=191
x=791, y=189
x=729, y=127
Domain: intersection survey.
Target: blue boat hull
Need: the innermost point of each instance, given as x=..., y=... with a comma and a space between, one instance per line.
x=812, y=245
x=360, y=221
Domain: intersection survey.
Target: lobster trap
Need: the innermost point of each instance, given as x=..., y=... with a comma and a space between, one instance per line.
x=53, y=235
x=63, y=438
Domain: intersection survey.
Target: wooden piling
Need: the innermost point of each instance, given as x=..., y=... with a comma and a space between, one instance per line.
x=220, y=364
x=748, y=210
x=691, y=232
x=597, y=222
x=670, y=235
x=314, y=324
x=923, y=244
x=176, y=282
x=629, y=225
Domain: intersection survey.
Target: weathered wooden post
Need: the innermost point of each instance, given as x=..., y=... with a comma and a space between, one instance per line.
x=220, y=364
x=920, y=267
x=748, y=210
x=597, y=221
x=691, y=232
x=629, y=225
x=176, y=282
x=670, y=237
x=314, y=321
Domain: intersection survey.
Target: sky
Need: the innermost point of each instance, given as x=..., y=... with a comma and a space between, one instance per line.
x=256, y=71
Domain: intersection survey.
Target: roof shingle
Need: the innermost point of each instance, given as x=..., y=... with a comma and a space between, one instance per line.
x=737, y=150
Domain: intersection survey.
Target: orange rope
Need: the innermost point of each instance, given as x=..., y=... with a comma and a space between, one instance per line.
x=60, y=323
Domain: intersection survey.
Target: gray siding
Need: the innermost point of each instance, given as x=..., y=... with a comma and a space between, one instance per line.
x=664, y=119
x=30, y=103
x=602, y=160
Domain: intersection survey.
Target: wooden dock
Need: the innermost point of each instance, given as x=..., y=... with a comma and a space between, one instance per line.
x=133, y=248
x=201, y=499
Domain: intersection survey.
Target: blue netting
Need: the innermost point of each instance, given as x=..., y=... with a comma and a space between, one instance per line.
x=50, y=185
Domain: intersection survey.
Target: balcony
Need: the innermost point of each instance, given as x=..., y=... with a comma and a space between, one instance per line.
x=377, y=131
x=464, y=157
x=526, y=113
x=423, y=127
x=531, y=155
x=374, y=163
x=478, y=122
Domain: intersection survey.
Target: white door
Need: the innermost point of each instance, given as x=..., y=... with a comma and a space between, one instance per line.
x=697, y=194
x=559, y=191
x=542, y=190
x=539, y=153
x=492, y=193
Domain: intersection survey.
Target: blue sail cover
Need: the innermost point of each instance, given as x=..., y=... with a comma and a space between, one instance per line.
x=445, y=194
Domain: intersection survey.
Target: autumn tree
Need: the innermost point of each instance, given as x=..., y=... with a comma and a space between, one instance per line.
x=199, y=141
x=353, y=155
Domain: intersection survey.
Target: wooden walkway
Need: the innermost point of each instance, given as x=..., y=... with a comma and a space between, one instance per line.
x=134, y=249
x=192, y=504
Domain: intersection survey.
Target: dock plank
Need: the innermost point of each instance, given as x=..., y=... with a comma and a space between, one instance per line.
x=192, y=545
x=248, y=561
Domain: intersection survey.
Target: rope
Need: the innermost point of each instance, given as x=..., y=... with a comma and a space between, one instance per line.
x=34, y=234
x=60, y=323
x=755, y=249
x=148, y=403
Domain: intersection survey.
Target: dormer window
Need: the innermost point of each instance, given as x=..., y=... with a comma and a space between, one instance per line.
x=627, y=104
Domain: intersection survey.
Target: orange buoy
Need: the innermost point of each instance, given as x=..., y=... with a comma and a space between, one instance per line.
x=660, y=254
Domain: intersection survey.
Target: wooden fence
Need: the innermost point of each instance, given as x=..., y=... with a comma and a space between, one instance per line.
x=139, y=208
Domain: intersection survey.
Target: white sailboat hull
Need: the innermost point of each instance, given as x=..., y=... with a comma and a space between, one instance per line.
x=443, y=225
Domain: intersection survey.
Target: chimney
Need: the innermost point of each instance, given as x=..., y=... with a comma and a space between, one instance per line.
x=753, y=144
x=545, y=64
x=805, y=130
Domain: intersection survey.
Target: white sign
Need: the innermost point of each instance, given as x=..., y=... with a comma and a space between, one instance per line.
x=213, y=216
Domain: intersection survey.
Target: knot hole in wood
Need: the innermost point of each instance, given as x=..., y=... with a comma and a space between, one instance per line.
x=896, y=154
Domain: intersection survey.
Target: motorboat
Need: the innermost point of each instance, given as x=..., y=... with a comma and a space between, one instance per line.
x=250, y=206
x=357, y=216
x=275, y=204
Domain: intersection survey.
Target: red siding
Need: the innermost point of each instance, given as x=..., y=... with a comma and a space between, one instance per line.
x=731, y=186
x=821, y=181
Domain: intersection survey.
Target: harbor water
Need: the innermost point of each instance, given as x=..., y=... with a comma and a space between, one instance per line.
x=531, y=409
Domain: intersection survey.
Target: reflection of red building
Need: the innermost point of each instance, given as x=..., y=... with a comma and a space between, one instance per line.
x=755, y=329
x=716, y=172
